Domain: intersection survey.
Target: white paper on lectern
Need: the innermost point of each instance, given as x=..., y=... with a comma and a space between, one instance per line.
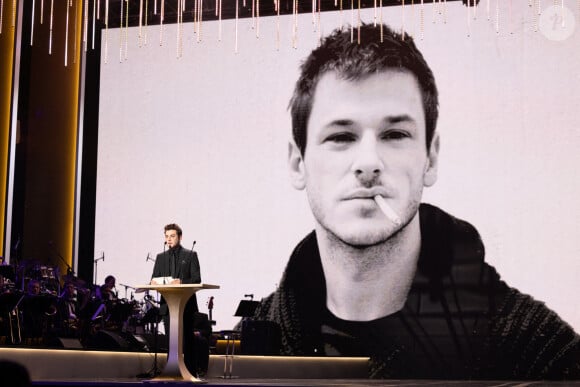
x=162, y=280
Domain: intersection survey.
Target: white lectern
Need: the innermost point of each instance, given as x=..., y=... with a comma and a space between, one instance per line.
x=176, y=297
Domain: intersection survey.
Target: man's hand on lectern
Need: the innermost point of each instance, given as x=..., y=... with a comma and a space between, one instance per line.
x=175, y=281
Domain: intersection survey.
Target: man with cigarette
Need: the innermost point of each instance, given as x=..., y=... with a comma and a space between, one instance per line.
x=383, y=275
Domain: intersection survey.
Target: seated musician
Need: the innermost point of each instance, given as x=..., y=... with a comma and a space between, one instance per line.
x=114, y=312
x=70, y=308
x=108, y=290
x=37, y=310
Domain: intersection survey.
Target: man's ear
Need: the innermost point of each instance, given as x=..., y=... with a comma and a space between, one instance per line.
x=296, y=166
x=430, y=175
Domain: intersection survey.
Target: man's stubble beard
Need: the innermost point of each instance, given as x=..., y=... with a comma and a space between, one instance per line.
x=369, y=255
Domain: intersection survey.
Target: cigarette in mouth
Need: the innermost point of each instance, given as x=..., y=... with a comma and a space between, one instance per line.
x=387, y=210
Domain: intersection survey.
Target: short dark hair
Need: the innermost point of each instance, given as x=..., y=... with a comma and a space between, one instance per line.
x=380, y=49
x=173, y=226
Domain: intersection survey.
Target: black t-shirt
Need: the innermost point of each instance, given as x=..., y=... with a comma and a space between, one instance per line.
x=411, y=343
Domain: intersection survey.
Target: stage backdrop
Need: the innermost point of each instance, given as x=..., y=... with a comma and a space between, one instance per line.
x=199, y=137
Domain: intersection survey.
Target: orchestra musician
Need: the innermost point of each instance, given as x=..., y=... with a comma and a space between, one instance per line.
x=108, y=289
x=38, y=308
x=70, y=308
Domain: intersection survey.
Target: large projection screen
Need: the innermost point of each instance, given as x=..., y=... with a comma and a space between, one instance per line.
x=199, y=136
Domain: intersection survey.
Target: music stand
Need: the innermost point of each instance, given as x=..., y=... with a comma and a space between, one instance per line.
x=246, y=308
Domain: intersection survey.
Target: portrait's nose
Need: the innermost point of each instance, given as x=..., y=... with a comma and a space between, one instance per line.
x=367, y=164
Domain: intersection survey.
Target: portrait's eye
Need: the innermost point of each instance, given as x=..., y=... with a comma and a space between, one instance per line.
x=342, y=137
x=395, y=135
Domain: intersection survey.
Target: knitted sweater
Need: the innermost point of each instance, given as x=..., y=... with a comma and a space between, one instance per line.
x=460, y=319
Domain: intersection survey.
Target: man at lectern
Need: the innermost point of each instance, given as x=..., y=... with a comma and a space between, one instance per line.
x=178, y=265
x=177, y=262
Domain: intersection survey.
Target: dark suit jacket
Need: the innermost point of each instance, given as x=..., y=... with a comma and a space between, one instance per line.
x=187, y=270
x=187, y=265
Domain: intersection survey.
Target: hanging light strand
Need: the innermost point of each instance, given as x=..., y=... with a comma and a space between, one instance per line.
x=358, y=23
x=85, y=22
x=434, y=12
x=140, y=31
x=31, y=23
x=413, y=22
x=382, y=33
x=1, y=15
x=253, y=14
x=342, y=14
x=121, y=12
x=562, y=13
x=146, y=22
x=403, y=21
x=468, y=18
x=511, y=17
x=277, y=24
x=294, y=23
x=14, y=6
x=126, y=36
x=220, y=22
x=200, y=21
x=50, y=27
x=318, y=24
x=178, y=35
x=94, y=22
x=161, y=20
x=236, y=29
x=422, y=21
x=76, y=4
x=497, y=16
x=181, y=11
x=257, y=18
x=538, y=13
x=195, y=3
x=106, y=31
x=66, y=34
x=351, y=21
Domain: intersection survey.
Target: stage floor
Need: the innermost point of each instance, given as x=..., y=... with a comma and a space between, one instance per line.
x=304, y=383
x=80, y=367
